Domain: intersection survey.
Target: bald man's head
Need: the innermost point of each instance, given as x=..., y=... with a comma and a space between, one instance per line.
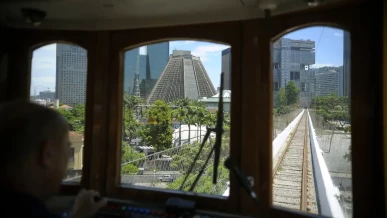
x=34, y=138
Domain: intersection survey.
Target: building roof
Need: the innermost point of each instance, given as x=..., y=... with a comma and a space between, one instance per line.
x=215, y=98
x=226, y=94
x=65, y=106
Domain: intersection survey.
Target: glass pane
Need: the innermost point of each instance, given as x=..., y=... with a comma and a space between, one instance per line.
x=311, y=122
x=58, y=81
x=170, y=97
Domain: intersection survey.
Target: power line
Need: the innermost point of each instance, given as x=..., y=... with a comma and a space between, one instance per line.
x=322, y=30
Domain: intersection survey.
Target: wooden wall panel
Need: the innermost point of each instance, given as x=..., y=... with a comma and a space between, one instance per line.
x=251, y=105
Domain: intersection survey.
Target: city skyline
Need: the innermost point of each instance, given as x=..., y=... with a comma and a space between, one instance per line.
x=329, y=52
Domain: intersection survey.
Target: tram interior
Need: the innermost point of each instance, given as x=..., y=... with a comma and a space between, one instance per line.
x=222, y=108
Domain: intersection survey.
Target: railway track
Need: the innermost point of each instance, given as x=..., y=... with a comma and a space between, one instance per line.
x=293, y=180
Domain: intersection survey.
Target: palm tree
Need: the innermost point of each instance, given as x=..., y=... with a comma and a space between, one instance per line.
x=130, y=126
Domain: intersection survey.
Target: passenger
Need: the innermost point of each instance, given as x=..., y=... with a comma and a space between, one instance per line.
x=34, y=155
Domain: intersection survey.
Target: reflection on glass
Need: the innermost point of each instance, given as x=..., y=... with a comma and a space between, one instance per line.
x=311, y=122
x=170, y=97
x=58, y=81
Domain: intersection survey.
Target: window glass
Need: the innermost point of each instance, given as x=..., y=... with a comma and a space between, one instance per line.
x=312, y=122
x=58, y=81
x=171, y=94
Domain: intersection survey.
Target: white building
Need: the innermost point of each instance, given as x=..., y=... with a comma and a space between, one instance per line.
x=212, y=102
x=197, y=134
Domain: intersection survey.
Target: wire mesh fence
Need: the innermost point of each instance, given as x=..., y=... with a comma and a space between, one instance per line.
x=282, y=121
x=335, y=145
x=167, y=168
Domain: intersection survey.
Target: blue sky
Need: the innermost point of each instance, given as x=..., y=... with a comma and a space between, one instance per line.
x=329, y=52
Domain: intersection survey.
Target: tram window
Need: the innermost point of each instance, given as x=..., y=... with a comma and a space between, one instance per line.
x=312, y=127
x=58, y=81
x=171, y=93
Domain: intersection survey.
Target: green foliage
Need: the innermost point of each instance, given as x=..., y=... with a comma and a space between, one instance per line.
x=127, y=155
x=158, y=135
x=281, y=98
x=333, y=108
x=184, y=159
x=292, y=93
x=130, y=123
x=330, y=102
x=338, y=108
x=287, y=99
x=129, y=169
x=130, y=101
x=204, y=185
x=75, y=117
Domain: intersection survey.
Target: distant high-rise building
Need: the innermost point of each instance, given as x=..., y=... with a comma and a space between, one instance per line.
x=130, y=69
x=71, y=68
x=327, y=83
x=346, y=64
x=144, y=67
x=291, y=61
x=146, y=87
x=47, y=95
x=183, y=77
x=341, y=80
x=158, y=55
x=148, y=66
x=226, y=68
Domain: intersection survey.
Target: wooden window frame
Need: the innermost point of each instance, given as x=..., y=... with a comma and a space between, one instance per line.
x=367, y=145
x=19, y=78
x=225, y=33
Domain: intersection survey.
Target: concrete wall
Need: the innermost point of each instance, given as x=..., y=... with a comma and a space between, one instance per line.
x=327, y=193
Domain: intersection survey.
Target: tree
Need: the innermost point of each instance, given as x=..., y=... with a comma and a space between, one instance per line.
x=127, y=155
x=130, y=123
x=188, y=110
x=75, y=117
x=180, y=113
x=159, y=134
x=188, y=152
x=281, y=98
x=292, y=93
x=332, y=108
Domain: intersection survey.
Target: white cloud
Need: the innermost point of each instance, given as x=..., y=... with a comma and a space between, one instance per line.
x=338, y=34
x=43, y=68
x=318, y=65
x=204, y=51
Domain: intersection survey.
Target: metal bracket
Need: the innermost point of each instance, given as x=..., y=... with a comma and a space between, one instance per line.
x=251, y=180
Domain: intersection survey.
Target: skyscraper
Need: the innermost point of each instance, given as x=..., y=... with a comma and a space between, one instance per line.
x=130, y=69
x=327, y=82
x=291, y=61
x=158, y=55
x=148, y=67
x=226, y=68
x=183, y=77
x=144, y=66
x=71, y=68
